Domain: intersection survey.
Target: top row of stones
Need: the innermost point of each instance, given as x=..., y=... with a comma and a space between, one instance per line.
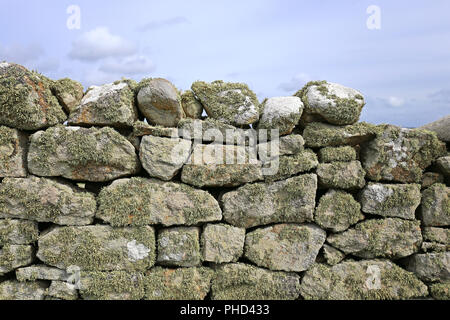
x=30, y=101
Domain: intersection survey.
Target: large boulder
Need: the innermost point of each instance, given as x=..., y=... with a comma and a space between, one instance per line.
x=291, y=200
x=430, y=267
x=140, y=202
x=192, y=107
x=26, y=100
x=68, y=92
x=13, y=256
x=435, y=206
x=341, y=175
x=14, y=290
x=222, y=243
x=231, y=103
x=440, y=127
x=13, y=153
x=179, y=247
x=76, y=153
x=18, y=231
x=281, y=113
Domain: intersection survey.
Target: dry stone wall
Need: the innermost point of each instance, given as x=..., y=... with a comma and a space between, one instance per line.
x=127, y=192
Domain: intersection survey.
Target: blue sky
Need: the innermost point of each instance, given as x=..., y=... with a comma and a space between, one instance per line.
x=275, y=46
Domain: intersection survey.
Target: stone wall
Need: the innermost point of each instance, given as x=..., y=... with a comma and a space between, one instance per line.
x=115, y=193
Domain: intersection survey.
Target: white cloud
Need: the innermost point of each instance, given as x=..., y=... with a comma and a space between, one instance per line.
x=396, y=101
x=99, y=44
x=296, y=83
x=21, y=54
x=132, y=65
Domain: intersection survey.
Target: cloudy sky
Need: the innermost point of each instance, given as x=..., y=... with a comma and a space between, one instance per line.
x=276, y=46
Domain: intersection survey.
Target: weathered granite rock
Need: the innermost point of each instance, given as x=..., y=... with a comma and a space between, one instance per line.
x=140, y=128
x=430, y=178
x=68, y=92
x=178, y=284
x=400, y=155
x=361, y=280
x=384, y=238
x=192, y=107
x=222, y=243
x=428, y=246
x=76, y=153
x=281, y=113
x=107, y=105
x=238, y=281
x=435, y=208
x=26, y=100
x=319, y=134
x=140, y=201
x=163, y=158
x=18, y=231
x=337, y=211
x=443, y=165
x=231, y=103
x=62, y=290
x=439, y=235
x=332, y=255
x=440, y=291
x=337, y=154
x=179, y=247
x=333, y=102
x=98, y=248
x=14, y=290
x=160, y=102
x=289, y=166
x=13, y=153
x=291, y=200
x=113, y=285
x=440, y=127
x=46, y=200
x=341, y=175
x=216, y=165
x=285, y=247
x=391, y=200
x=285, y=146
x=14, y=256
x=430, y=266
x=41, y=272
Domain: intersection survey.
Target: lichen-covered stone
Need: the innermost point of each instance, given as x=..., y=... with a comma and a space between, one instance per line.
x=163, y=157
x=428, y=246
x=238, y=281
x=337, y=211
x=433, y=234
x=440, y=127
x=98, y=248
x=46, y=200
x=26, y=100
x=440, y=291
x=430, y=178
x=435, y=206
x=222, y=243
x=107, y=105
x=231, y=103
x=443, y=164
x=140, y=201
x=14, y=256
x=68, y=92
x=76, y=153
x=341, y=175
x=140, y=128
x=177, y=284
x=62, y=290
x=291, y=200
x=285, y=247
x=18, y=231
x=41, y=272
x=217, y=165
x=400, y=155
x=160, y=102
x=332, y=255
x=285, y=146
x=391, y=200
x=13, y=153
x=281, y=113
x=14, y=290
x=430, y=266
x=318, y=135
x=179, y=247
x=289, y=166
x=192, y=107
x=361, y=280
x=337, y=154
x=380, y=238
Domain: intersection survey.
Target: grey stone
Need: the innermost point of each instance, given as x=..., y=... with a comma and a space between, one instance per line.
x=18, y=231
x=192, y=107
x=332, y=255
x=41, y=272
x=68, y=92
x=287, y=145
x=140, y=128
x=337, y=154
x=435, y=208
x=289, y=166
x=222, y=243
x=14, y=290
x=281, y=113
x=341, y=175
x=430, y=266
x=440, y=127
x=179, y=247
x=13, y=153
x=62, y=290
x=443, y=165
x=14, y=256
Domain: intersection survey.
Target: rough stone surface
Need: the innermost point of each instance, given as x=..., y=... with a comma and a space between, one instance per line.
x=231, y=103
x=178, y=284
x=430, y=266
x=281, y=113
x=285, y=247
x=289, y=166
x=443, y=165
x=68, y=92
x=13, y=153
x=435, y=207
x=14, y=290
x=285, y=146
x=179, y=247
x=337, y=154
x=440, y=127
x=41, y=272
x=357, y=280
x=391, y=200
x=291, y=200
x=46, y=200
x=26, y=100
x=82, y=154
x=222, y=243
x=385, y=238
x=163, y=158
x=400, y=155
x=62, y=290
x=98, y=248
x=430, y=178
x=440, y=291
x=238, y=281
x=14, y=256
x=192, y=107
x=18, y=231
x=332, y=255
x=439, y=235
x=140, y=128
x=337, y=211
x=140, y=201
x=341, y=175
